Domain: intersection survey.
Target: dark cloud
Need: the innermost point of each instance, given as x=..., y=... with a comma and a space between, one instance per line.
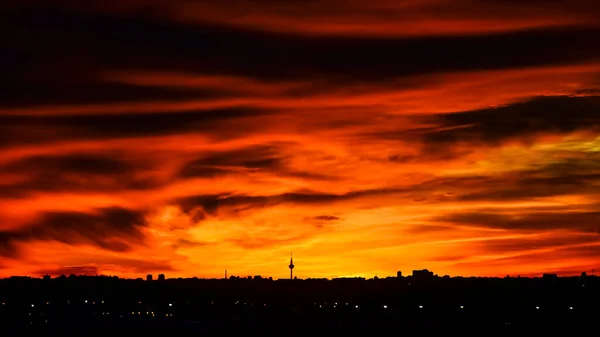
x=560, y=114
x=257, y=158
x=35, y=129
x=576, y=175
x=570, y=180
x=262, y=157
x=532, y=243
x=582, y=164
x=44, y=37
x=76, y=172
x=574, y=221
x=585, y=251
x=192, y=170
x=446, y=258
x=113, y=229
x=74, y=270
x=320, y=221
x=78, y=163
x=326, y=218
x=211, y=204
x=544, y=181
x=566, y=177
x=581, y=252
x=133, y=265
x=424, y=229
x=569, y=173
x=263, y=242
x=138, y=265
x=31, y=91
x=513, y=189
x=183, y=243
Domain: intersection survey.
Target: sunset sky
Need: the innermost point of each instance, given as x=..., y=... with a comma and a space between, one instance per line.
x=189, y=137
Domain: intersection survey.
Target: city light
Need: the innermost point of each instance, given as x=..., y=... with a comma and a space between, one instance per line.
x=189, y=306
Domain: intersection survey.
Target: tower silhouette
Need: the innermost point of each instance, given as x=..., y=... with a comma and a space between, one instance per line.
x=291, y=267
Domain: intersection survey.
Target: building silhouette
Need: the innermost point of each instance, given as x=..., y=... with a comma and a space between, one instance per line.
x=161, y=277
x=149, y=277
x=423, y=274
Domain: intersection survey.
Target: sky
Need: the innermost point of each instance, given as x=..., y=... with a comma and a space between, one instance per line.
x=366, y=137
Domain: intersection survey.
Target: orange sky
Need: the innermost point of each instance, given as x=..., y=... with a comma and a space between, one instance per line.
x=367, y=137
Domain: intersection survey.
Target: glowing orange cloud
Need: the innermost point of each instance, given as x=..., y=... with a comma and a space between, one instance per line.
x=223, y=136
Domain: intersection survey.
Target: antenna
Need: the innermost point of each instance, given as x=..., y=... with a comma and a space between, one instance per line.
x=291, y=266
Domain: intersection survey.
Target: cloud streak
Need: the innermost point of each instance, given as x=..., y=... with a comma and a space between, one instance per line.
x=112, y=229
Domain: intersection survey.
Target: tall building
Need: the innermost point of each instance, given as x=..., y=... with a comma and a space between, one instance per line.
x=291, y=267
x=149, y=277
x=161, y=277
x=399, y=274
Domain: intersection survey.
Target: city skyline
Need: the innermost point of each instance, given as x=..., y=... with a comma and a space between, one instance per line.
x=185, y=138
x=424, y=273
x=419, y=275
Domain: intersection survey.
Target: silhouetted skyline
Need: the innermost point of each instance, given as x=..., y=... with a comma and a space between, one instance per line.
x=417, y=274
x=262, y=305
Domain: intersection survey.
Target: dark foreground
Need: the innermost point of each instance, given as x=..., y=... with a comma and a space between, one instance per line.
x=79, y=306
x=302, y=324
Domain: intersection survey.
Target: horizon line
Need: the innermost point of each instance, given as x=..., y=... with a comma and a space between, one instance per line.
x=270, y=278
